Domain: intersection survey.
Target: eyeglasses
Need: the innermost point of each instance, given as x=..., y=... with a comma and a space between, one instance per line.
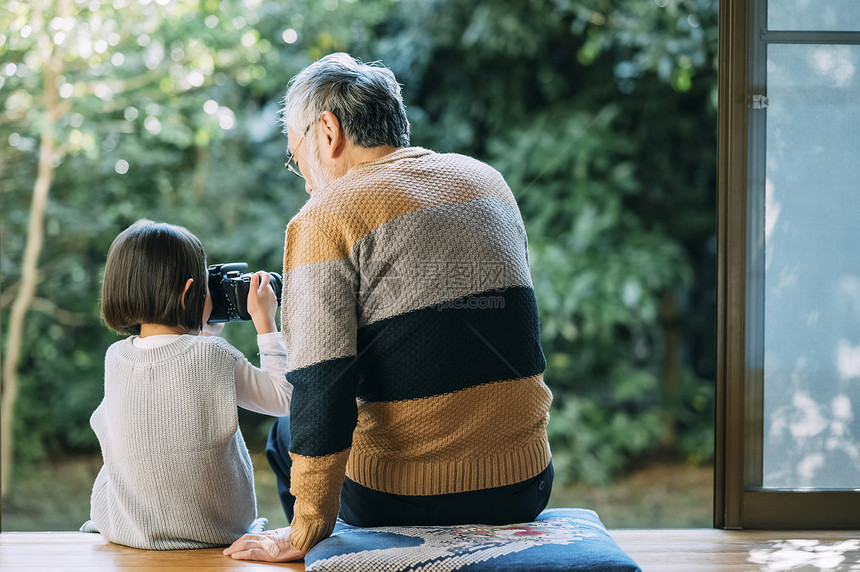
x=292, y=169
x=291, y=157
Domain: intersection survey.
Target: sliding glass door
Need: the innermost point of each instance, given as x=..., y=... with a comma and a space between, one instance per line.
x=811, y=274
x=789, y=413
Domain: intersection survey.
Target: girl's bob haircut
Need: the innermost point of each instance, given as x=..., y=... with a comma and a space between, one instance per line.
x=147, y=268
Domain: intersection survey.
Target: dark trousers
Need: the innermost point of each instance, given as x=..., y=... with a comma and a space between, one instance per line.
x=278, y=455
x=361, y=506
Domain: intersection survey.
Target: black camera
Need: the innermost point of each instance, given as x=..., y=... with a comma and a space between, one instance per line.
x=229, y=286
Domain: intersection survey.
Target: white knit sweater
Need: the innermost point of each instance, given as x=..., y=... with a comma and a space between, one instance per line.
x=176, y=473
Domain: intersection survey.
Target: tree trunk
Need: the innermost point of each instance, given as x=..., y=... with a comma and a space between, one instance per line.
x=201, y=170
x=29, y=268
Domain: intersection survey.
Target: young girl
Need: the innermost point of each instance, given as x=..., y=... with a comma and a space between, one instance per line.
x=176, y=472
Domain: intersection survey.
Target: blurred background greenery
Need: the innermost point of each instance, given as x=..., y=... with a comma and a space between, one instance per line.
x=601, y=114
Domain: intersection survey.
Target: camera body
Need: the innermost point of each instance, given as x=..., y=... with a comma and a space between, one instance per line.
x=229, y=286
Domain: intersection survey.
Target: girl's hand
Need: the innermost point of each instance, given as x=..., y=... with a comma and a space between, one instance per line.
x=262, y=303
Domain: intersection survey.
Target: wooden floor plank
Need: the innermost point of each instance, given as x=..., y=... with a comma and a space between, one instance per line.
x=707, y=550
x=30, y=551
x=696, y=550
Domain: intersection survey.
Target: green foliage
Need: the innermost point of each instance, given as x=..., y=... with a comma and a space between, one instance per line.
x=693, y=407
x=595, y=435
x=601, y=116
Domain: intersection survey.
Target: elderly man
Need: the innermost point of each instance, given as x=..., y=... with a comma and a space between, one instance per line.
x=410, y=324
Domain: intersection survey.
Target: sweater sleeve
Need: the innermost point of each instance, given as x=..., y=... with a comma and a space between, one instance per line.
x=264, y=389
x=319, y=326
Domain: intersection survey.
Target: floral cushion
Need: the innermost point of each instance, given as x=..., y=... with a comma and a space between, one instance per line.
x=559, y=539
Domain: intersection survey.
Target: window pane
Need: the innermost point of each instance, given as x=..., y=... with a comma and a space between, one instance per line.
x=812, y=268
x=815, y=15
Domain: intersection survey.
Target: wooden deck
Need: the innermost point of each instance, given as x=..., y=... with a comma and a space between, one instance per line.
x=31, y=551
x=709, y=550
x=687, y=550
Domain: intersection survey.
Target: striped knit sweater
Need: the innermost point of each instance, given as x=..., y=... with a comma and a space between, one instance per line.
x=412, y=336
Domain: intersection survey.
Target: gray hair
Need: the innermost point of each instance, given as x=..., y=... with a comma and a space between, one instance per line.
x=365, y=98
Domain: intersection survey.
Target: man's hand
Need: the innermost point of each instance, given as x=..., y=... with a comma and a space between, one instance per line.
x=262, y=303
x=268, y=546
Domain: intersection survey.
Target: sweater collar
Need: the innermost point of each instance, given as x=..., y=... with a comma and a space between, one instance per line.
x=360, y=168
x=127, y=350
x=402, y=153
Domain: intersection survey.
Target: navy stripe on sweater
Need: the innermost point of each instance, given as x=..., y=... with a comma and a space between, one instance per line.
x=323, y=396
x=468, y=341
